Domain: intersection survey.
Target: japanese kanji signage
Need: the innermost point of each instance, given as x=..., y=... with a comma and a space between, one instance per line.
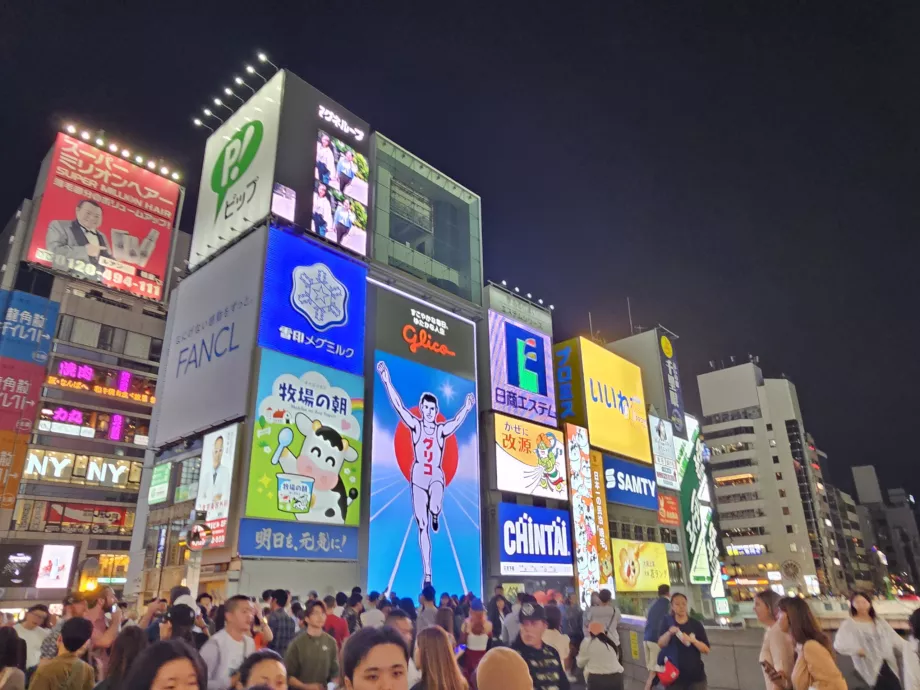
x=603, y=391
x=238, y=172
x=668, y=511
x=105, y=220
x=694, y=491
x=587, y=529
x=640, y=566
x=213, y=316
x=13, y=447
x=268, y=539
x=421, y=333
x=111, y=383
x=20, y=387
x=662, y=433
x=306, y=449
x=313, y=303
x=529, y=459
x=29, y=323
x=673, y=394
x=522, y=370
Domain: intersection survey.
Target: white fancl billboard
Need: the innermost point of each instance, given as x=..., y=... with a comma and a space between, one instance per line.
x=213, y=316
x=238, y=172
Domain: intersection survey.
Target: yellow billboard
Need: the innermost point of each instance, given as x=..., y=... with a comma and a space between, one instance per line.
x=601, y=390
x=639, y=566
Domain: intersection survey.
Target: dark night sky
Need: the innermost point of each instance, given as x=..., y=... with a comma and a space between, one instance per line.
x=746, y=172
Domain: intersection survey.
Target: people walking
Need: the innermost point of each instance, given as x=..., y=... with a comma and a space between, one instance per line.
x=555, y=638
x=871, y=643
x=312, y=658
x=653, y=619
x=512, y=623
x=546, y=669
x=684, y=642
x=281, y=624
x=32, y=630
x=373, y=617
x=778, y=651
x=428, y=616
x=597, y=656
x=475, y=634
x=498, y=610
x=434, y=656
x=74, y=607
x=607, y=614
x=815, y=668
x=335, y=625
x=225, y=651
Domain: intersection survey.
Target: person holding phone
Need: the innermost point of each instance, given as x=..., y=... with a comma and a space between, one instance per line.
x=684, y=642
x=777, y=654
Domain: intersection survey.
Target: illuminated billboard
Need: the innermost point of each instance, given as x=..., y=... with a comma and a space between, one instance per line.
x=601, y=390
x=640, y=566
x=694, y=492
x=534, y=541
x=29, y=323
x=305, y=462
x=109, y=383
x=529, y=459
x=159, y=484
x=340, y=193
x=238, y=172
x=521, y=370
x=313, y=303
x=105, y=220
x=628, y=483
x=662, y=433
x=425, y=451
x=218, y=452
x=670, y=374
x=587, y=529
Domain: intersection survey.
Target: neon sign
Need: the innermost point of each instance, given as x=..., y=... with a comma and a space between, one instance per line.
x=111, y=384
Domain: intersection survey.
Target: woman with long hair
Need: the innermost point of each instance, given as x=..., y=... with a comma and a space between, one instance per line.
x=498, y=609
x=597, y=655
x=684, y=642
x=434, y=656
x=170, y=664
x=777, y=651
x=444, y=618
x=871, y=642
x=554, y=637
x=475, y=633
x=131, y=641
x=11, y=661
x=815, y=668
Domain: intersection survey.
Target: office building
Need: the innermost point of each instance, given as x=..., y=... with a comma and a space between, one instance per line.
x=772, y=514
x=852, y=564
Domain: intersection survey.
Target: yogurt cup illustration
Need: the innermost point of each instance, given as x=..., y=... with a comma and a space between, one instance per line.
x=295, y=493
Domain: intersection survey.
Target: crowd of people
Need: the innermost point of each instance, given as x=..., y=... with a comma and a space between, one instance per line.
x=383, y=642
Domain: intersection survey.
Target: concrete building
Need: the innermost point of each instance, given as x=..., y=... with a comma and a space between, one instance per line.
x=851, y=561
x=771, y=511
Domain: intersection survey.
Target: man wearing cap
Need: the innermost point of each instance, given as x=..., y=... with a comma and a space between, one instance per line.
x=546, y=669
x=74, y=607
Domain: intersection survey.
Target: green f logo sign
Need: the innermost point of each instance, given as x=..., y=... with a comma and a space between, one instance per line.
x=234, y=160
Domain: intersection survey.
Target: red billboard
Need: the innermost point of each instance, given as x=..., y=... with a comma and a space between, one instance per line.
x=105, y=220
x=20, y=387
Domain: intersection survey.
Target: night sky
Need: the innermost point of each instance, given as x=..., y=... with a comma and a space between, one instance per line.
x=747, y=173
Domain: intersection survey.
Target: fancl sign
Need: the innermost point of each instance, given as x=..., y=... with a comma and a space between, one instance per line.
x=534, y=541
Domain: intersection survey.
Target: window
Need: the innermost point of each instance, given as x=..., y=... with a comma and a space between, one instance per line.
x=118, y=342
x=65, y=327
x=85, y=333
x=725, y=433
x=779, y=476
x=775, y=459
x=137, y=345
x=793, y=547
x=651, y=534
x=785, y=510
x=156, y=349
x=668, y=536
x=790, y=529
x=782, y=493
x=769, y=427
x=106, y=334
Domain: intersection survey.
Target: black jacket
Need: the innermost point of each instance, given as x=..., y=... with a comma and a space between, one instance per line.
x=546, y=669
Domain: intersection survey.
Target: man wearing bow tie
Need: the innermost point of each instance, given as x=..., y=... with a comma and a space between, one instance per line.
x=80, y=239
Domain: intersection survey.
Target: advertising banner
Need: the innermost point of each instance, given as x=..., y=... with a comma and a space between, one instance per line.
x=599, y=495
x=218, y=452
x=305, y=464
x=105, y=220
x=159, y=484
x=29, y=323
x=521, y=370
x=111, y=383
x=268, y=539
x=55, y=566
x=81, y=517
x=673, y=393
x=603, y=391
x=13, y=447
x=20, y=388
x=534, y=541
x=629, y=484
x=213, y=316
x=55, y=466
x=640, y=566
x=662, y=432
x=529, y=459
x=425, y=454
x=238, y=173
x=668, y=511
x=695, y=515
x=584, y=519
x=313, y=303
x=19, y=564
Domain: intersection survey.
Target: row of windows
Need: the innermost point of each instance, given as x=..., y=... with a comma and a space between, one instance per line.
x=735, y=481
x=732, y=464
x=104, y=337
x=730, y=416
x=625, y=530
x=740, y=498
x=744, y=532
x=726, y=448
x=725, y=433
x=742, y=514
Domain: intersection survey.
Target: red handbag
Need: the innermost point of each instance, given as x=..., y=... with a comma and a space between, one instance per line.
x=669, y=674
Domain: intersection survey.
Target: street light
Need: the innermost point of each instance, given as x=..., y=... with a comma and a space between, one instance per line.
x=138, y=159
x=125, y=153
x=175, y=176
x=221, y=104
x=113, y=147
x=264, y=58
x=71, y=129
x=199, y=123
x=207, y=112
x=229, y=92
x=240, y=82
x=252, y=70
x=84, y=136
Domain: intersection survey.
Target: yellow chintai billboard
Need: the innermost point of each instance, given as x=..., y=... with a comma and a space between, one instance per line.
x=639, y=566
x=602, y=391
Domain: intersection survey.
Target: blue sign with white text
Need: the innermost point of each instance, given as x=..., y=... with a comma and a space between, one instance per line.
x=534, y=541
x=313, y=302
x=630, y=484
x=29, y=323
x=271, y=539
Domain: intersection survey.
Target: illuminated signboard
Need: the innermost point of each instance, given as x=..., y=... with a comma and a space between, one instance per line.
x=105, y=220
x=668, y=511
x=529, y=459
x=745, y=550
x=640, y=566
x=694, y=491
x=534, y=541
x=74, y=421
x=674, y=398
x=602, y=391
x=86, y=470
x=112, y=383
x=662, y=433
x=218, y=450
x=159, y=484
x=54, y=567
x=522, y=370
x=628, y=483
x=585, y=518
x=29, y=323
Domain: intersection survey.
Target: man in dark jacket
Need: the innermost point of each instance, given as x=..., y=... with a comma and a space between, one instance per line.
x=545, y=666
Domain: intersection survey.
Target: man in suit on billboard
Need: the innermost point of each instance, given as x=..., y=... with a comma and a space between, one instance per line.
x=80, y=239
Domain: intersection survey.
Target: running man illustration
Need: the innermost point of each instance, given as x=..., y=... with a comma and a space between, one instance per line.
x=427, y=475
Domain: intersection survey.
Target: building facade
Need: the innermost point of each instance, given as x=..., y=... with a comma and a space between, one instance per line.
x=851, y=561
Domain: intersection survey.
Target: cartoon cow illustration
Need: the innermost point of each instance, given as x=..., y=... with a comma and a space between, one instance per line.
x=322, y=456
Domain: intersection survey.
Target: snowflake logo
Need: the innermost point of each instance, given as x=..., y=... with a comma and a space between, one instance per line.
x=319, y=296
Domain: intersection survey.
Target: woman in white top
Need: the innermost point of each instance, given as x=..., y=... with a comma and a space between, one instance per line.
x=555, y=638
x=598, y=657
x=871, y=643
x=778, y=649
x=475, y=633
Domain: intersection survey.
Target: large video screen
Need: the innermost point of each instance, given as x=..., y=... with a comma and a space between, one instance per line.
x=424, y=503
x=218, y=451
x=340, y=193
x=105, y=220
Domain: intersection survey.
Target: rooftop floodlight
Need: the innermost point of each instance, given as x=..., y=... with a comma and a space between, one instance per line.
x=252, y=70
x=264, y=58
x=239, y=82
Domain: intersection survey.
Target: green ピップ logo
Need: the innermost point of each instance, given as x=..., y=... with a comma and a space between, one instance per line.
x=234, y=160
